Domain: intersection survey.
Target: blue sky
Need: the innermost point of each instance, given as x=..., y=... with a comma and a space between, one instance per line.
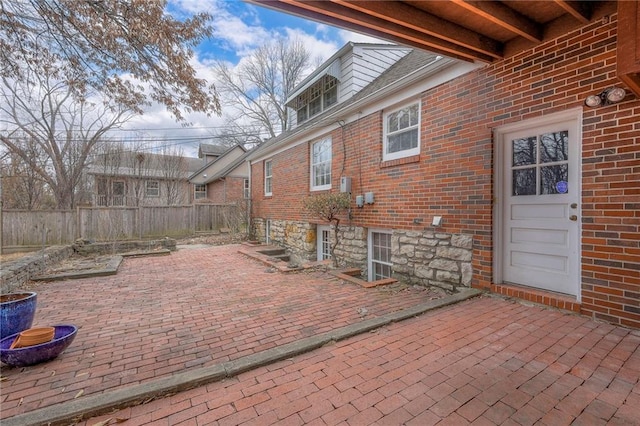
x=239, y=28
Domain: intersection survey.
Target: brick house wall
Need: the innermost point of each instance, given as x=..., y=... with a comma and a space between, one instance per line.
x=453, y=175
x=227, y=190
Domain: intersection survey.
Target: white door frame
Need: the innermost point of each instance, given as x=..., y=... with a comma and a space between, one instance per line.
x=319, y=241
x=499, y=180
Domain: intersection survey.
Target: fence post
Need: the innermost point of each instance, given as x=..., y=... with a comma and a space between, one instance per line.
x=193, y=219
x=139, y=221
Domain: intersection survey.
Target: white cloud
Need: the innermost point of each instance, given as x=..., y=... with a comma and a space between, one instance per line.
x=237, y=31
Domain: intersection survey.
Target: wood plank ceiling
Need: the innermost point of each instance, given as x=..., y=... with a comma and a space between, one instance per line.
x=470, y=30
x=464, y=29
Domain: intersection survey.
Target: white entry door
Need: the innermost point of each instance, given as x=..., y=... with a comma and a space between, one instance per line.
x=540, y=201
x=324, y=242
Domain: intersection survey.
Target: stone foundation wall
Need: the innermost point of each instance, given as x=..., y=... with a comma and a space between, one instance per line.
x=17, y=272
x=424, y=258
x=352, y=250
x=433, y=259
x=299, y=238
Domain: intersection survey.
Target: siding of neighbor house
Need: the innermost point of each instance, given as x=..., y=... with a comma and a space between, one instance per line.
x=453, y=175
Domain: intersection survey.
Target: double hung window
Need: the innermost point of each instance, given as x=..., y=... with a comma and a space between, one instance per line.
x=268, y=178
x=321, y=165
x=402, y=132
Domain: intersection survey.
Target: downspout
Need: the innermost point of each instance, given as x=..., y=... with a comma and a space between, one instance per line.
x=249, y=200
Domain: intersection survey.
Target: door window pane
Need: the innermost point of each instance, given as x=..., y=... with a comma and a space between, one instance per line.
x=524, y=182
x=554, y=147
x=553, y=179
x=524, y=151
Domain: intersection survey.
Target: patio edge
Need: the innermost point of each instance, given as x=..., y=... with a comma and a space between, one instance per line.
x=103, y=403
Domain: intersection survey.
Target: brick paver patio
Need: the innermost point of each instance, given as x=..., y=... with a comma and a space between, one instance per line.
x=194, y=308
x=483, y=361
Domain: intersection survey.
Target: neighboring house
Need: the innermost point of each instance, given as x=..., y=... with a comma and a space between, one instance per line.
x=495, y=175
x=224, y=180
x=141, y=179
x=211, y=152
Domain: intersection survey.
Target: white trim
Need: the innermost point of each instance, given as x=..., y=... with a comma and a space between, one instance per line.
x=312, y=164
x=334, y=70
x=370, y=250
x=320, y=242
x=270, y=161
x=385, y=131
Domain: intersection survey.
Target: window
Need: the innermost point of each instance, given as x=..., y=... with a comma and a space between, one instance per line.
x=379, y=255
x=402, y=134
x=200, y=191
x=321, y=165
x=246, y=189
x=317, y=98
x=540, y=164
x=152, y=188
x=117, y=190
x=268, y=184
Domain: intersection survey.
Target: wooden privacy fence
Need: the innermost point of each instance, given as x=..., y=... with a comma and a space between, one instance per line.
x=34, y=228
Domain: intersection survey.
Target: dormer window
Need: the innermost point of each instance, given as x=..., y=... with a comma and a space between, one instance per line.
x=318, y=97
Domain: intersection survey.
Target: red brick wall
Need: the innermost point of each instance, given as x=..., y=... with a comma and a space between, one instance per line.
x=453, y=175
x=228, y=190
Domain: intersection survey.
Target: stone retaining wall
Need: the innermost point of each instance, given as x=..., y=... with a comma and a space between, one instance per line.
x=17, y=272
x=85, y=248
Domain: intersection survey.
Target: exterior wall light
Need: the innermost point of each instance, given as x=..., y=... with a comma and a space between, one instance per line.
x=609, y=96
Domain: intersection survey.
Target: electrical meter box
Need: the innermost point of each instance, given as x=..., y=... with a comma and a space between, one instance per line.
x=345, y=184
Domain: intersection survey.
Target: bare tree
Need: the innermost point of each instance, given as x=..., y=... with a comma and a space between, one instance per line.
x=173, y=167
x=22, y=187
x=255, y=93
x=41, y=109
x=95, y=44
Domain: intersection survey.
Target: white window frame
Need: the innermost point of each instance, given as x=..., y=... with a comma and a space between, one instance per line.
x=268, y=177
x=246, y=189
x=152, y=192
x=315, y=163
x=387, y=156
x=370, y=258
x=198, y=195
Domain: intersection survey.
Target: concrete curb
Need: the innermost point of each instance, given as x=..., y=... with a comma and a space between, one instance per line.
x=94, y=405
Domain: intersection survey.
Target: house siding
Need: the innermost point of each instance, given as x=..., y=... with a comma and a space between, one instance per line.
x=453, y=175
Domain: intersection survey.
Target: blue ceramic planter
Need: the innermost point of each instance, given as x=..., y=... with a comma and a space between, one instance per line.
x=30, y=355
x=16, y=312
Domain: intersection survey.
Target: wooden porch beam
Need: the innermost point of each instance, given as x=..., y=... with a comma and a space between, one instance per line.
x=577, y=9
x=335, y=14
x=407, y=16
x=504, y=17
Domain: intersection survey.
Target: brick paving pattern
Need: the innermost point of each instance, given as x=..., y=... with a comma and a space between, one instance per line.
x=194, y=308
x=485, y=361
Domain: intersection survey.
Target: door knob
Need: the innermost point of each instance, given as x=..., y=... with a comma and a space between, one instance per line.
x=573, y=217
x=574, y=205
